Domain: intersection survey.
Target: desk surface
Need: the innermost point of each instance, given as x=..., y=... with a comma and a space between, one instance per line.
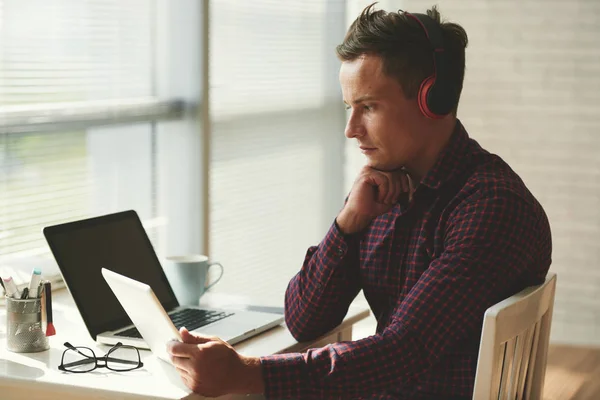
x=37, y=374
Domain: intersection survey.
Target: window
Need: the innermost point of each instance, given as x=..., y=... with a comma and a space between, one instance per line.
x=101, y=110
x=92, y=114
x=277, y=138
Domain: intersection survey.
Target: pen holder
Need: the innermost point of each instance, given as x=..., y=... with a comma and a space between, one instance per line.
x=24, y=332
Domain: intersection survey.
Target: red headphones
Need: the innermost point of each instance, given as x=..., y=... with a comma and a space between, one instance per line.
x=436, y=96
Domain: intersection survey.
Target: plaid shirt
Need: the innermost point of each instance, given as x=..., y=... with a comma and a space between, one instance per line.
x=471, y=236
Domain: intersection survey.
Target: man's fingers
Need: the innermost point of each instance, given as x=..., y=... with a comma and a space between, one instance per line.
x=381, y=185
x=411, y=184
x=387, y=188
x=179, y=349
x=183, y=365
x=397, y=190
x=187, y=381
x=400, y=187
x=190, y=338
x=398, y=183
x=404, y=182
x=383, y=189
x=393, y=191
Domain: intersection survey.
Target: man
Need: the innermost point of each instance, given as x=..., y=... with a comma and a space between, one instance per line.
x=435, y=230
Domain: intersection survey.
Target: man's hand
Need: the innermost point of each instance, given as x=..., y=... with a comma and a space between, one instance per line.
x=373, y=193
x=211, y=367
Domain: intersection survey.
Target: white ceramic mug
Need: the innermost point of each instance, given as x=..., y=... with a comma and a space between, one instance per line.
x=187, y=275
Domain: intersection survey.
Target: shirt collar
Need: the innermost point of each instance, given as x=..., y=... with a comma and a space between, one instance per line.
x=451, y=161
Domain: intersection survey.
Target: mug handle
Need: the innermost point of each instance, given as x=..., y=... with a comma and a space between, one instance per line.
x=220, y=275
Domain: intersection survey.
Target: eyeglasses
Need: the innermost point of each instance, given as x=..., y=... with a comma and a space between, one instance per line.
x=83, y=359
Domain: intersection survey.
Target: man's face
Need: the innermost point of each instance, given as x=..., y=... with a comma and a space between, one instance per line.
x=384, y=123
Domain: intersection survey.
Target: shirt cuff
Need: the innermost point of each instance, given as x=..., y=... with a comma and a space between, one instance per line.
x=348, y=236
x=335, y=244
x=284, y=376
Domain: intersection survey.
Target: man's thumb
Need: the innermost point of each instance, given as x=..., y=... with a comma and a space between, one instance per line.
x=190, y=338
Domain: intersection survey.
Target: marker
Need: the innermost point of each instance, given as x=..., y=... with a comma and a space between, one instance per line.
x=50, y=331
x=36, y=276
x=11, y=288
x=25, y=293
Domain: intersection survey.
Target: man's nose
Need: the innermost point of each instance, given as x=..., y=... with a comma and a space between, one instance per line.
x=354, y=127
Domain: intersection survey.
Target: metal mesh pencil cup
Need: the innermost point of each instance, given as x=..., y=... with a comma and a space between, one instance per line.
x=24, y=332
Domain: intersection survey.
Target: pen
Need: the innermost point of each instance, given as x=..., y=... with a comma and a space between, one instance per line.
x=50, y=331
x=11, y=288
x=36, y=276
x=25, y=293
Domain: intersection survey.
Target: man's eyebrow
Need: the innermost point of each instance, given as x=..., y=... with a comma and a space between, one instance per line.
x=362, y=99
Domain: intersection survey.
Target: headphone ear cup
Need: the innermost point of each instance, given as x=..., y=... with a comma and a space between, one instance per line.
x=424, y=91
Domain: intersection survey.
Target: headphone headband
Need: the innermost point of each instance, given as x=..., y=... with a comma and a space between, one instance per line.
x=432, y=31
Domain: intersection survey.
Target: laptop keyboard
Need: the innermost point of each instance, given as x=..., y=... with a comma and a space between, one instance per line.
x=191, y=318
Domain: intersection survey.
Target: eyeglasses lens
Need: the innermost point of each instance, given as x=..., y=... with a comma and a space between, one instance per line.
x=82, y=360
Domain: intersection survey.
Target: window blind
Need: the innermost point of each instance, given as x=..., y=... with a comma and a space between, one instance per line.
x=68, y=50
x=277, y=121
x=82, y=53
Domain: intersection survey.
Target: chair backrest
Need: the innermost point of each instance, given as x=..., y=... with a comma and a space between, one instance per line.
x=514, y=345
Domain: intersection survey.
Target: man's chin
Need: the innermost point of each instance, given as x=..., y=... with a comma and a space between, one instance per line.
x=384, y=167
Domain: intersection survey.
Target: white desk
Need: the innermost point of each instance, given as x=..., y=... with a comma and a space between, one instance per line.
x=36, y=375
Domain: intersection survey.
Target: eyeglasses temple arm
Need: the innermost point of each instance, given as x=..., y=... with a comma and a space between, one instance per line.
x=79, y=362
x=123, y=361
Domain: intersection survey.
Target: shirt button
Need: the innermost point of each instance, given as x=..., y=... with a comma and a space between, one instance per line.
x=340, y=251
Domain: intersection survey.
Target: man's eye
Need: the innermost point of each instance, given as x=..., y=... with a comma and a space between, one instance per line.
x=365, y=107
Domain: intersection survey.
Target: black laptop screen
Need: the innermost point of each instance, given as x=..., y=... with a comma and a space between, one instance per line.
x=117, y=242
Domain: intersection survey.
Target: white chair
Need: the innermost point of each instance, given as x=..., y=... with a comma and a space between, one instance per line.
x=514, y=345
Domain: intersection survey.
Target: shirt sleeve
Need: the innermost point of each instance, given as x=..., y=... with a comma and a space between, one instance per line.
x=488, y=247
x=318, y=297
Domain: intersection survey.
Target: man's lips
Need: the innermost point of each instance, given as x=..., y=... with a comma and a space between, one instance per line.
x=366, y=149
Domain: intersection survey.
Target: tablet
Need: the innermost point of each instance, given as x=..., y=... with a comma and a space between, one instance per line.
x=145, y=311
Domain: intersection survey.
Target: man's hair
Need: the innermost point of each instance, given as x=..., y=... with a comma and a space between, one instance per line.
x=403, y=46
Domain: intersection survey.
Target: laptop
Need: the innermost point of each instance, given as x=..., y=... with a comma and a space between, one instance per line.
x=120, y=243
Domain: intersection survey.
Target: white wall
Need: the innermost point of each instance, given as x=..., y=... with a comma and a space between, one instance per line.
x=531, y=95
